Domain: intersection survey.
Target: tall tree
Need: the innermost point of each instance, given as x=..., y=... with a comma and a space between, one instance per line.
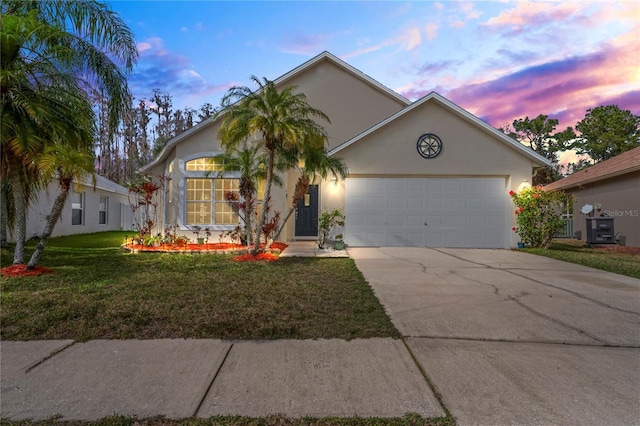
x=67, y=164
x=52, y=53
x=538, y=134
x=607, y=131
x=281, y=118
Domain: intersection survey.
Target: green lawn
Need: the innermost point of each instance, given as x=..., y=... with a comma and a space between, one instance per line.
x=98, y=291
x=575, y=252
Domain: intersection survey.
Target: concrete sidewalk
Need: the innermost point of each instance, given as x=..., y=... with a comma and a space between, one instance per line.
x=202, y=378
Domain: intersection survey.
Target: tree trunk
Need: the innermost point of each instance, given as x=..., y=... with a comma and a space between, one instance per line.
x=52, y=219
x=20, y=206
x=267, y=197
x=302, y=186
x=286, y=218
x=4, y=219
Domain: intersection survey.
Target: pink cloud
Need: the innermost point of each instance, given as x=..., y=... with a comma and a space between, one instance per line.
x=535, y=13
x=431, y=31
x=412, y=37
x=563, y=89
x=408, y=38
x=464, y=13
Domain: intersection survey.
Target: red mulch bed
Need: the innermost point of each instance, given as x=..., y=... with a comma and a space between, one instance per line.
x=270, y=256
x=20, y=270
x=186, y=247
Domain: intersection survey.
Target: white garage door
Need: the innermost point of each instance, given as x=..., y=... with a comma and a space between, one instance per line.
x=426, y=212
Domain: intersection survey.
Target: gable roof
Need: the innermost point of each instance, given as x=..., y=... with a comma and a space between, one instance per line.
x=464, y=114
x=328, y=56
x=621, y=164
x=324, y=56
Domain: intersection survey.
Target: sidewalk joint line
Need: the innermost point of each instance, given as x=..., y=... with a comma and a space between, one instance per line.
x=48, y=357
x=436, y=394
x=215, y=376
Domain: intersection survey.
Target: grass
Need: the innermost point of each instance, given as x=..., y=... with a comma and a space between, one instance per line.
x=276, y=420
x=575, y=252
x=98, y=291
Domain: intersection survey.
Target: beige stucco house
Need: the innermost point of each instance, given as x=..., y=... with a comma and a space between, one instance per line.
x=612, y=188
x=426, y=173
x=103, y=206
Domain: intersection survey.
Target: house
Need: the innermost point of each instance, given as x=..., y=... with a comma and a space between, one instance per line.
x=425, y=173
x=88, y=209
x=612, y=187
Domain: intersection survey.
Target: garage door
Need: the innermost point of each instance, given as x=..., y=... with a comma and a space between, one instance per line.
x=426, y=212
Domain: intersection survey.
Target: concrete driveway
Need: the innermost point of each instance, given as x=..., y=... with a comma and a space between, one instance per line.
x=512, y=338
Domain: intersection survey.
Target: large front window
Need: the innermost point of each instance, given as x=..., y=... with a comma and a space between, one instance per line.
x=206, y=204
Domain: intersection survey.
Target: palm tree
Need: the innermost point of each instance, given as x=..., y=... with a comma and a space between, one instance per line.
x=67, y=164
x=312, y=162
x=52, y=51
x=282, y=118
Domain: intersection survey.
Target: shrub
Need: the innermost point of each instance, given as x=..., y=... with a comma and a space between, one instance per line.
x=328, y=221
x=539, y=214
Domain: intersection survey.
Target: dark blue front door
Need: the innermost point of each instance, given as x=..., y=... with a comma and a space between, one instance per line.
x=307, y=214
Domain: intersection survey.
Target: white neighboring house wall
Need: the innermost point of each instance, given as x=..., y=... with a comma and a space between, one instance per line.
x=104, y=207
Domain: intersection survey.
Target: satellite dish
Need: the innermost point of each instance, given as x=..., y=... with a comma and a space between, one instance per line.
x=586, y=209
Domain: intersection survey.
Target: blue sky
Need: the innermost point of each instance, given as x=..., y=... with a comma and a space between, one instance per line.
x=500, y=60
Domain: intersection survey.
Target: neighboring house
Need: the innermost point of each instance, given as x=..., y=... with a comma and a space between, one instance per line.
x=426, y=173
x=612, y=187
x=104, y=207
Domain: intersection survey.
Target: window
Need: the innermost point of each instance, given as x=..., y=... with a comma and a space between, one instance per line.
x=103, y=210
x=207, y=164
x=170, y=202
x=224, y=213
x=77, y=208
x=199, y=201
x=206, y=204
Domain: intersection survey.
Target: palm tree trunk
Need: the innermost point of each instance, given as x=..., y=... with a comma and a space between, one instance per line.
x=56, y=211
x=20, y=206
x=286, y=218
x=267, y=198
x=4, y=218
x=302, y=186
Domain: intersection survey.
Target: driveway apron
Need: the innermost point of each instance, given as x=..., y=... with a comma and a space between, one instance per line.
x=512, y=338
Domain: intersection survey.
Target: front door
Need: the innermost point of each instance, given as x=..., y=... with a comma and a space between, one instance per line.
x=307, y=214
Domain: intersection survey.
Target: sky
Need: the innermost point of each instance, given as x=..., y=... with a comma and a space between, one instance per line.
x=500, y=60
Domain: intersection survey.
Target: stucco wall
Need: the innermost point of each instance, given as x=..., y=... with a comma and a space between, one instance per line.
x=352, y=104
x=467, y=151
x=617, y=197
x=118, y=217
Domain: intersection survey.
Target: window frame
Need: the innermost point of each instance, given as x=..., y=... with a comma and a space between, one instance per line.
x=81, y=209
x=104, y=211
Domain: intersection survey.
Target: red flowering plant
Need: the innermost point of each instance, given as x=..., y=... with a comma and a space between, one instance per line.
x=146, y=199
x=539, y=214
